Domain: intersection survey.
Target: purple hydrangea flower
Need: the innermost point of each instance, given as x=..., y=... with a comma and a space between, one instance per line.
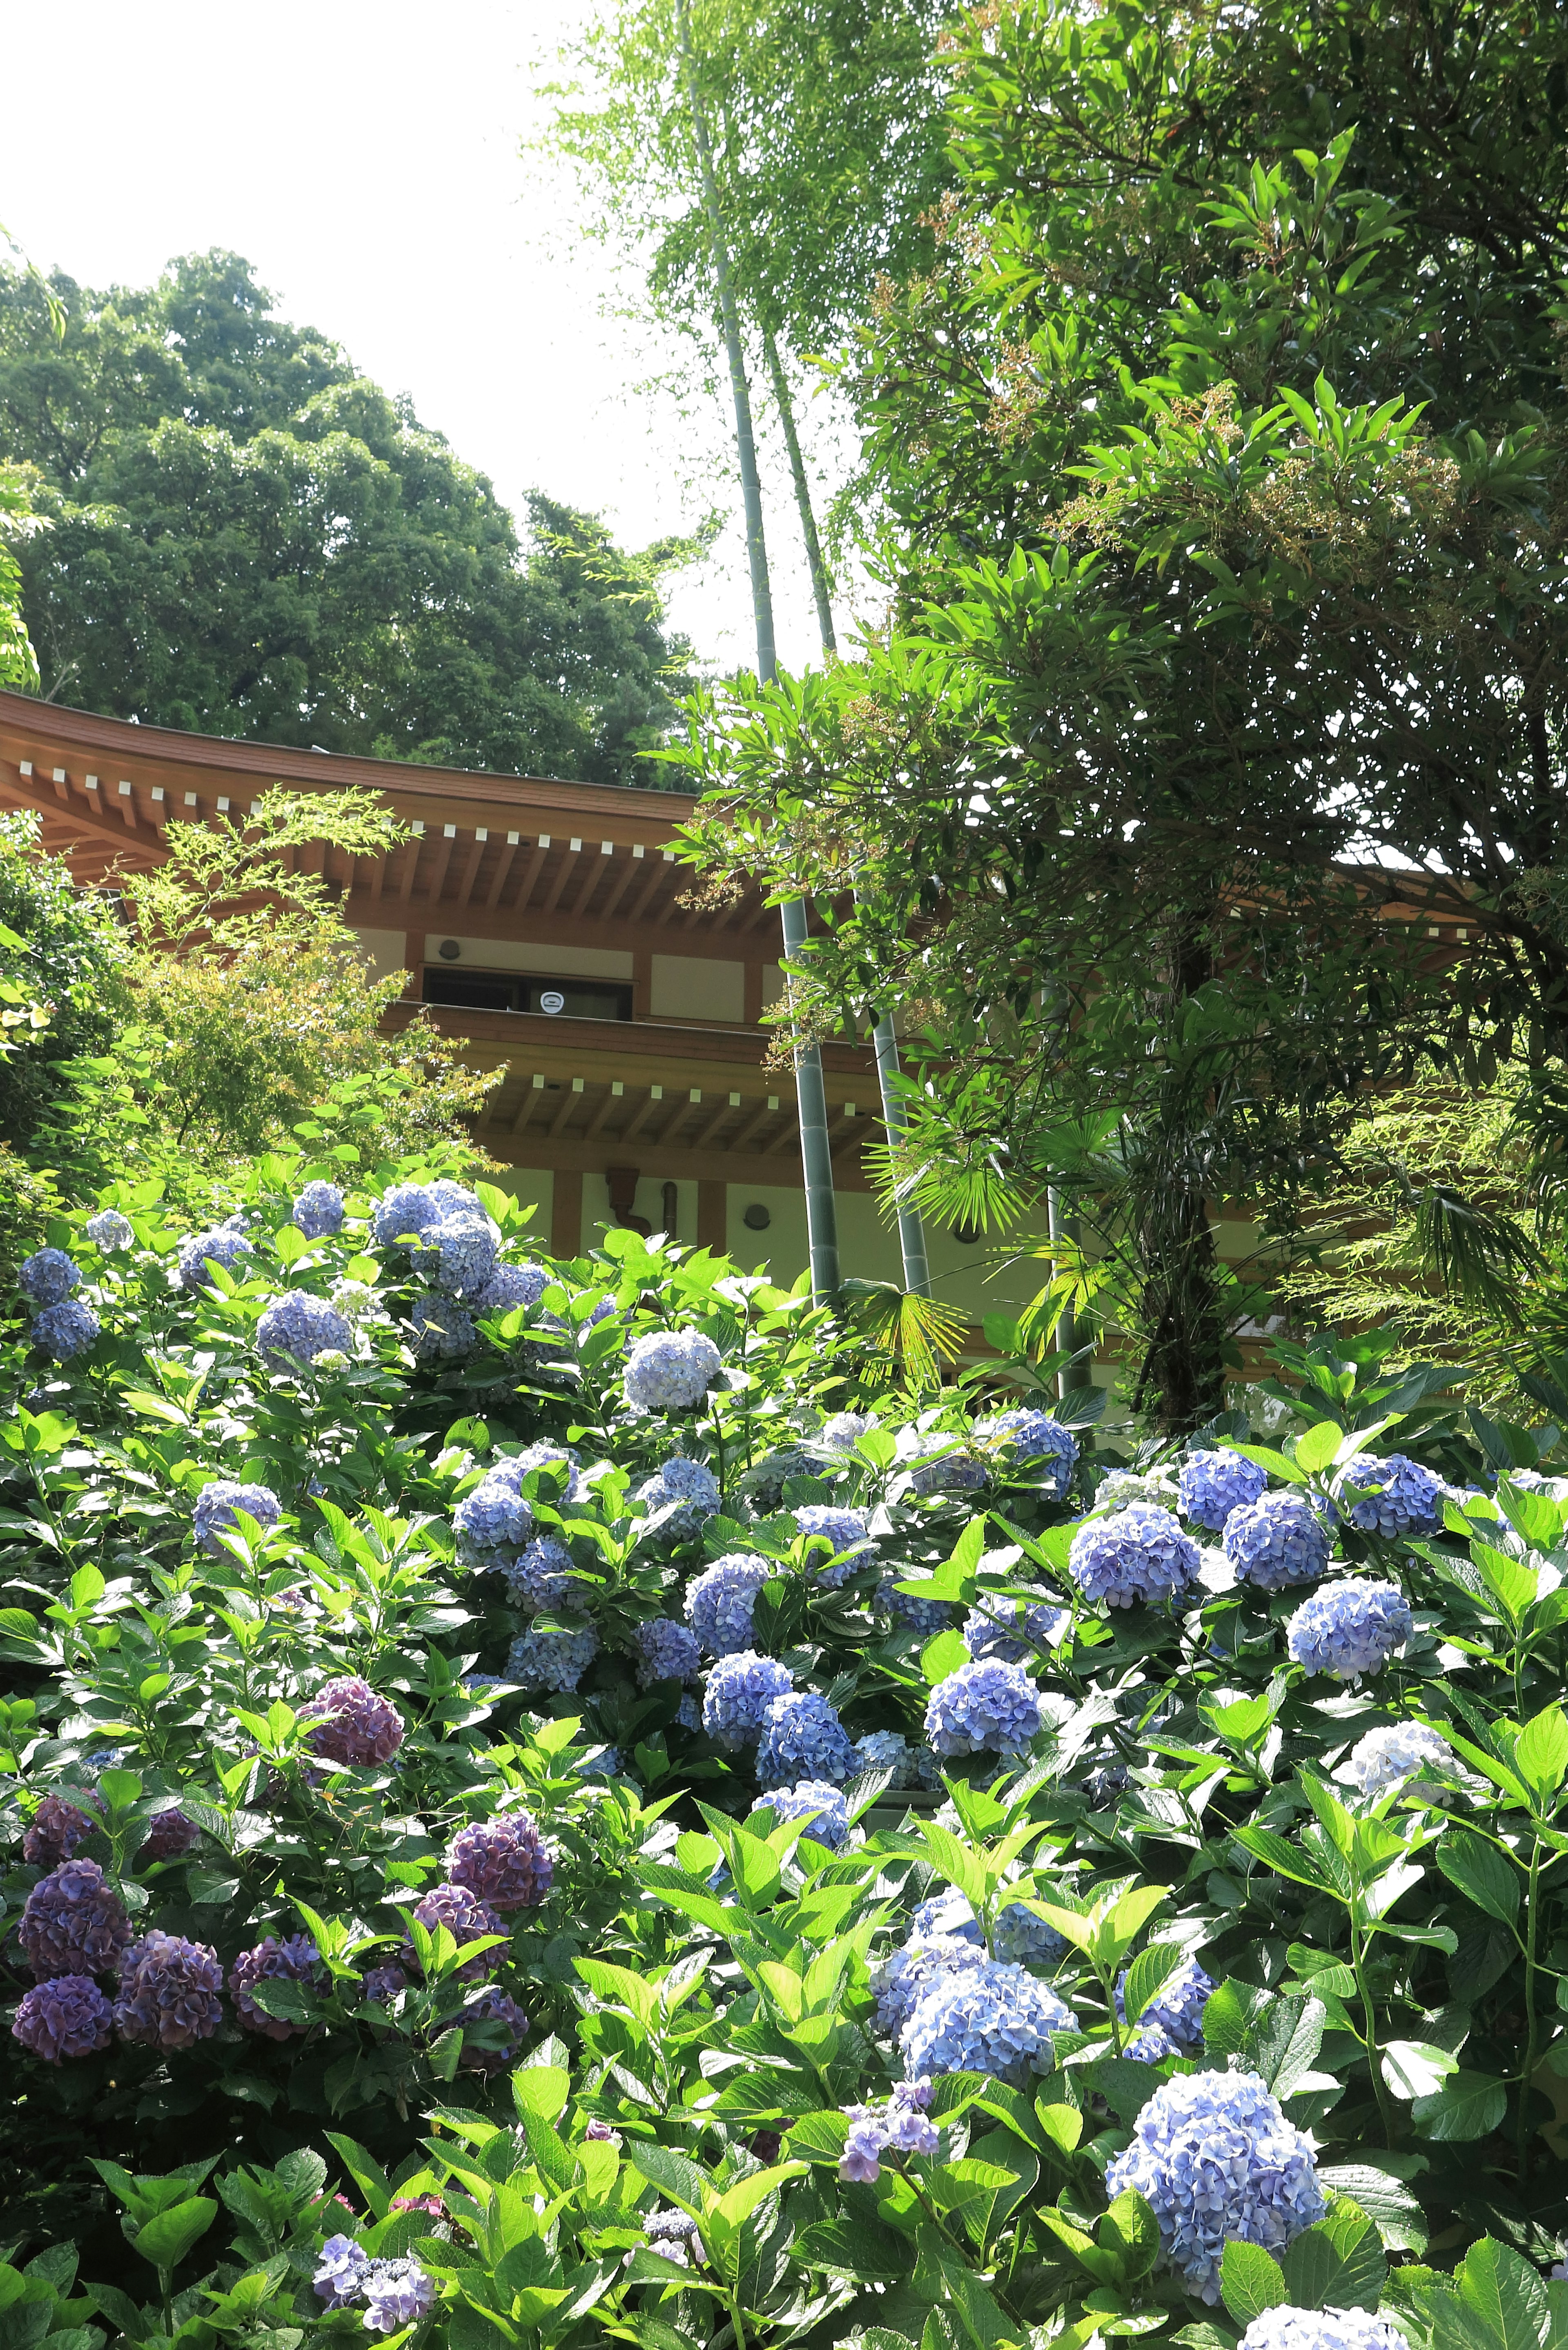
x=686, y=1487
x=54, y=1833
x=1392, y=1495
x=1349, y=1628
x=299, y=1325
x=718, y=1601
x=666, y=1651
x=670, y=1370
x=1217, y=2162
x=985, y=2018
x=169, y=1992
x=47, y=1277
x=988, y=1708
x=1011, y=1629
x=741, y=1687
x=1385, y=1758
x=1278, y=1540
x=1322, y=2329
x=467, y=1919
x=1174, y=2015
x=1212, y=1484
x=66, y=1330
x=802, y=1738
x=1035, y=1436
x=353, y=1725
x=342, y=2268
x=954, y=1470
x=903, y=1979
x=552, y=1661
x=820, y=1806
x=540, y=1576
x=110, y=1230
x=382, y=1984
x=922, y=1615
x=1138, y=1553
x=66, y=2016
x=169, y=1835
x=865, y=2143
x=440, y=1328
x=493, y=2006
x=900, y=2124
x=503, y=1860
x=510, y=1285
x=602, y=2132
x=318, y=1210
x=297, y=1960
x=73, y=1923
x=406, y=1209
x=845, y=1531
x=224, y=1245
x=215, y=1507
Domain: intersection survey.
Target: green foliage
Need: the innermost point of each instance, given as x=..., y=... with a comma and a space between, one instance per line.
x=60, y=977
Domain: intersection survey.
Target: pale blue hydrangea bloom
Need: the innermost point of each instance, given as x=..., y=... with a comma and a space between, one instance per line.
x=718, y=1601
x=1279, y=1540
x=342, y=2267
x=396, y=2293
x=540, y=1576
x=562, y=1464
x=1285, y=2328
x=496, y=1515
x=741, y=1687
x=1392, y=1495
x=845, y=1530
x=1212, y=1484
x=949, y=1912
x=1349, y=1628
x=816, y=1802
x=222, y=1245
x=318, y=1210
x=1385, y=1758
x=66, y=1329
x=1174, y=2016
x=406, y=1209
x=1138, y=1553
x=903, y=1979
x=802, y=1738
x=954, y=1470
x=552, y=1661
x=110, y=1230
x=215, y=1507
x=687, y=1486
x=459, y=1254
x=689, y=1714
x=510, y=1286
x=992, y=1629
x=844, y=1431
x=888, y=1750
x=298, y=1327
x=47, y=1276
x=452, y=1199
x=988, y=1708
x=1019, y=1937
x=441, y=1330
x=1035, y=1436
x=666, y=1651
x=670, y=1370
x=987, y=2017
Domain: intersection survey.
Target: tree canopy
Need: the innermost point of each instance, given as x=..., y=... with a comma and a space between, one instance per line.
x=245, y=536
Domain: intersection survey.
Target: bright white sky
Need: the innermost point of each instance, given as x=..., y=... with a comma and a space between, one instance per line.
x=365, y=159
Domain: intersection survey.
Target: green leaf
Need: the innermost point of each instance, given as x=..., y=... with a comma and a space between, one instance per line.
x=166, y=2239
x=1399, y=2218
x=671, y=2173
x=859, y=2249
x=1147, y=1971
x=1481, y=1872
x=1337, y=2264
x=1468, y=2106
x=1505, y=2293
x=942, y=1655
x=1130, y=2230
x=365, y=2171
x=1415, y=2068
x=1317, y=1449
x=1250, y=2280
x=1541, y=1752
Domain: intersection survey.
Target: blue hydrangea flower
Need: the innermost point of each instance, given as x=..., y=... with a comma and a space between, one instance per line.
x=1023, y=1939
x=922, y=1615
x=459, y=1254
x=1278, y=1540
x=66, y=1330
x=540, y=1576
x=686, y=1486
x=1396, y=1495
x=552, y=1661
x=318, y=1210
x=562, y=1464
x=215, y=1507
x=224, y=1245
x=689, y=1714
x=452, y=1199
x=297, y=1327
x=718, y=1601
x=406, y=1209
x=396, y=2293
x=1217, y=2162
x=510, y=1286
x=1350, y=1628
x=845, y=1530
x=844, y=1431
x=952, y=1470
x=987, y=2017
x=666, y=1651
x=888, y=1750
x=989, y=1708
x=47, y=1276
x=821, y=1805
x=1385, y=1758
x=1174, y=2014
x=741, y=1687
x=670, y=1370
x=765, y=1481
x=948, y=1913
x=1212, y=1484
x=903, y=1979
x=441, y=1329
x=1322, y=2329
x=1035, y=1436
x=342, y=2266
x=603, y=1764
x=110, y=1230
x=802, y=1738
x=992, y=1628
x=494, y=1516
x=1138, y=1553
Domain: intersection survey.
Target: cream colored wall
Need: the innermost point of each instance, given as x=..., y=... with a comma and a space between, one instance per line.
x=516, y=955
x=597, y=1214
x=384, y=951
x=690, y=987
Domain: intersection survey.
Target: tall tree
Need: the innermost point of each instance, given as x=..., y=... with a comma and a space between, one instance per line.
x=247, y=538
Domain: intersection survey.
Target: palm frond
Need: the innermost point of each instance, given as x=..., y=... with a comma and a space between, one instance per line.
x=918, y=1332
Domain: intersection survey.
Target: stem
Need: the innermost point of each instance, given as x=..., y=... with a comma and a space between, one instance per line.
x=1528, y=2074
x=1108, y=1988
x=815, y=562
x=1369, y=2017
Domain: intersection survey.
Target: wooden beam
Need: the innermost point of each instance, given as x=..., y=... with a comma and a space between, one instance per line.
x=639, y=1117
x=444, y=855
x=411, y=867
x=533, y=1100
x=655, y=883
x=535, y=866
x=622, y=885
x=569, y=856
x=590, y=885
x=83, y=819
x=471, y=872
x=569, y=1099
x=601, y=1114
x=754, y=1126
x=502, y=874
x=705, y=1134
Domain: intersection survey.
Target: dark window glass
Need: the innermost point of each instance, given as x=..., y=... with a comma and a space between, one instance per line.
x=504, y=990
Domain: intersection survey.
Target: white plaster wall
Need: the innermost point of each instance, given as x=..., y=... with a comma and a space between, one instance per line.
x=383, y=950
x=690, y=987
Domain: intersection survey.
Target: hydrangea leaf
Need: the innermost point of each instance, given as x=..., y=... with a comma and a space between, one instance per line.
x=1251, y=2280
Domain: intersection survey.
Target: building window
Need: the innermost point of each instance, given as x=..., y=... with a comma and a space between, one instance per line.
x=521, y=991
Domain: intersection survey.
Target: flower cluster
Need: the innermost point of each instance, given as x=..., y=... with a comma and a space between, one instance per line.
x=402, y=1214
x=666, y=1651
x=73, y=1923
x=47, y=1276
x=318, y=1210
x=844, y=1431
x=297, y=1960
x=1392, y=1495
x=540, y=1576
x=1349, y=1628
x=352, y=1724
x=1035, y=1436
x=552, y=1661
x=492, y=2005
x=1217, y=2162
x=987, y=2017
x=66, y=1330
x=741, y=1687
x=902, y=1979
x=510, y=1287
x=169, y=1992
x=169, y=1834
x=670, y=1370
x=686, y=1487
x=802, y=1738
x=845, y=1531
x=54, y=1833
x=216, y=1505
x=1138, y=1553
x=952, y=1470
x=1278, y=1540
x=889, y=1750
x=1320, y=2329
x=1171, y=2023
x=224, y=1245
x=922, y=1615
x=820, y=1805
x=395, y=2292
x=718, y=1601
x=110, y=1230
x=1012, y=1629
x=1212, y=1484
x=900, y=2125
x=495, y=1516
x=1386, y=1758
x=297, y=1327
x=467, y=1919
x=66, y=2016
x=504, y=1861
x=988, y=1708
x=441, y=1329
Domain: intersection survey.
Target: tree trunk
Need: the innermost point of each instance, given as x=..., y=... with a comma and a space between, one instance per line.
x=821, y=587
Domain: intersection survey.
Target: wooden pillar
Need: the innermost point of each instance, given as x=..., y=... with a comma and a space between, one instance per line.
x=642, y=983
x=567, y=1213
x=413, y=962
x=712, y=1223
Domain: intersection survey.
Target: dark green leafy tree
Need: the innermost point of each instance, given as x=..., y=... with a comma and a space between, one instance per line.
x=247, y=538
